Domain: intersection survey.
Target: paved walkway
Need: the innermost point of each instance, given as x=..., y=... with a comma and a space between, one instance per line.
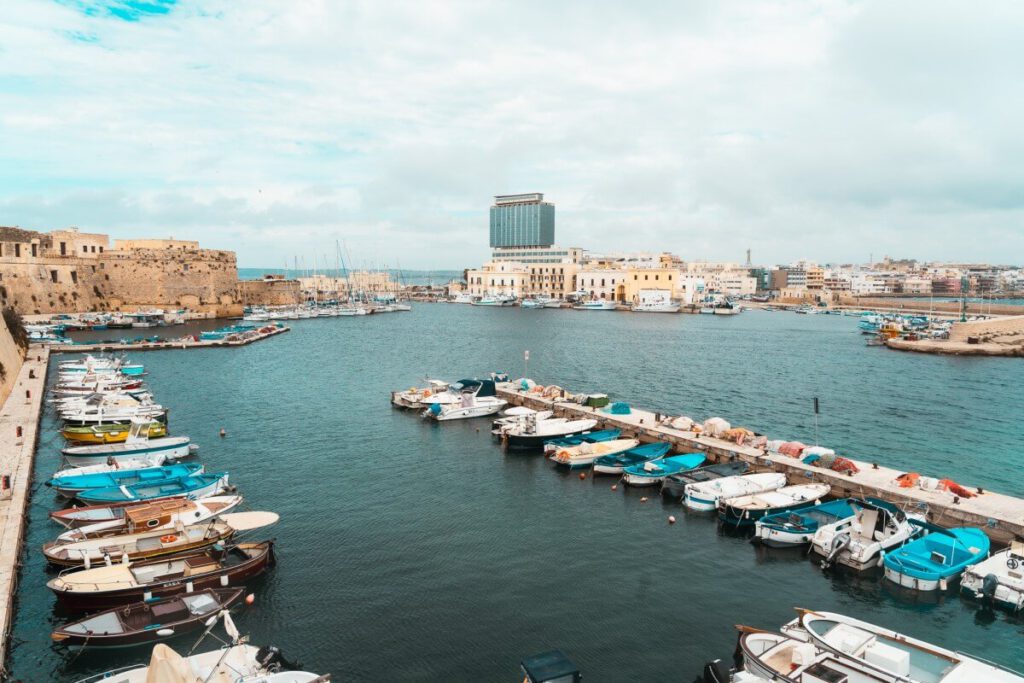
x=16, y=458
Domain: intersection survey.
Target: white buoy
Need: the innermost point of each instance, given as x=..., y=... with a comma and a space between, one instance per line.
x=671, y=519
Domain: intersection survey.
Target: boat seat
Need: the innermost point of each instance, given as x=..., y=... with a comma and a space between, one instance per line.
x=103, y=623
x=200, y=603
x=169, y=611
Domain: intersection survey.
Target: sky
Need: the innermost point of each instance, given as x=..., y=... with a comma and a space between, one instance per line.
x=834, y=131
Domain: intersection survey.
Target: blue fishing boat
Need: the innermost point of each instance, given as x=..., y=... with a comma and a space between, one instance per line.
x=615, y=464
x=797, y=527
x=654, y=471
x=552, y=445
x=936, y=559
x=74, y=484
x=194, y=487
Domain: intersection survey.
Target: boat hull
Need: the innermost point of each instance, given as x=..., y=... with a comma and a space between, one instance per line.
x=919, y=584
x=175, y=448
x=260, y=560
x=111, y=433
x=536, y=441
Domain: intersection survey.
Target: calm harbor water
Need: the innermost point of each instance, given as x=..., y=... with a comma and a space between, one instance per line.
x=411, y=551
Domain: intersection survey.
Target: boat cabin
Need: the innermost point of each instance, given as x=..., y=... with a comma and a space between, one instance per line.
x=550, y=667
x=153, y=515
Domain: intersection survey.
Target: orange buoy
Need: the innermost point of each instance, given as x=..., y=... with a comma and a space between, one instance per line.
x=250, y=598
x=671, y=519
x=583, y=475
x=169, y=538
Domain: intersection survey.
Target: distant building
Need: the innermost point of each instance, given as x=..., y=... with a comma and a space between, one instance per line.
x=522, y=220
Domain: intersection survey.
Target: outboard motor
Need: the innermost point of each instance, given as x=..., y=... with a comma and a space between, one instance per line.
x=714, y=672
x=839, y=544
x=988, y=586
x=271, y=659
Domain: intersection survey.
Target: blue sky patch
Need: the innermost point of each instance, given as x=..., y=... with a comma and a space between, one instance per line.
x=127, y=10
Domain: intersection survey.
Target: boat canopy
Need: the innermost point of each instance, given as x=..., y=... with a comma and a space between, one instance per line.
x=549, y=667
x=486, y=386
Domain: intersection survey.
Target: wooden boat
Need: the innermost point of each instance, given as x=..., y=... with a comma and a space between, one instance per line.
x=553, y=445
x=109, y=433
x=74, y=484
x=120, y=584
x=652, y=472
x=197, y=486
x=160, y=514
x=585, y=454
x=675, y=484
x=746, y=510
x=137, y=546
x=615, y=464
x=79, y=516
x=140, y=442
x=797, y=527
x=937, y=559
x=235, y=662
x=148, y=621
x=998, y=580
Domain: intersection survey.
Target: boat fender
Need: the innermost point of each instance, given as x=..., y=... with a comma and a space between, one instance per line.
x=223, y=580
x=644, y=499
x=989, y=585
x=250, y=598
x=583, y=475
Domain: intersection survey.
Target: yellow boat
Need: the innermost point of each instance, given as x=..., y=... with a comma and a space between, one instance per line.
x=111, y=433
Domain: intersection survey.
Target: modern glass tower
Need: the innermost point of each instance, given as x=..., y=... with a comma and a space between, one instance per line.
x=522, y=220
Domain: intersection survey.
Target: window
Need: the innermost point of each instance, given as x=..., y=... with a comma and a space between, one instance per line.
x=670, y=278
x=636, y=277
x=74, y=276
x=656, y=277
x=53, y=275
x=602, y=282
x=63, y=250
x=101, y=250
x=645, y=277
x=85, y=249
x=35, y=249
x=17, y=251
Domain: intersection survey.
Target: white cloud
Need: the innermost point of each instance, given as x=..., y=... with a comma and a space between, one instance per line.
x=827, y=129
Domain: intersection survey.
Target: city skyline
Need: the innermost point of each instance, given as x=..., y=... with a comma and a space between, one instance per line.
x=827, y=132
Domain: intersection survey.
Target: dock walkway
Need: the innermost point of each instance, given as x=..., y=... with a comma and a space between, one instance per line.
x=1000, y=515
x=19, y=426
x=161, y=345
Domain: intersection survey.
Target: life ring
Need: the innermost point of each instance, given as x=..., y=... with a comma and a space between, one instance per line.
x=169, y=538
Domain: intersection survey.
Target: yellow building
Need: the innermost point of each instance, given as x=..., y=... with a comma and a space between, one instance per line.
x=663, y=278
x=499, y=277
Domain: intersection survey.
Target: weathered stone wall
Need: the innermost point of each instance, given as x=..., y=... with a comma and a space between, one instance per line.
x=198, y=279
x=997, y=327
x=10, y=361
x=49, y=284
x=269, y=292
x=925, y=305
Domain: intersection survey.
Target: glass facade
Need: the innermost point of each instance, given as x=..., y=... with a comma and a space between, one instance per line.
x=523, y=224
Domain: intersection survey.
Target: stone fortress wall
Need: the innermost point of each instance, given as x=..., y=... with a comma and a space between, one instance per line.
x=71, y=271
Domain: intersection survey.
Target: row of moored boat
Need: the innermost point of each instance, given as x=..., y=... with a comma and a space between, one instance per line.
x=151, y=546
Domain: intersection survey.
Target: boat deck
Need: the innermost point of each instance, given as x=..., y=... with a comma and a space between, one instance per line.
x=1001, y=516
x=170, y=344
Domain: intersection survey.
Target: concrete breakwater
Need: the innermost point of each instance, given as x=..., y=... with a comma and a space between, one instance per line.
x=19, y=423
x=1000, y=515
x=186, y=343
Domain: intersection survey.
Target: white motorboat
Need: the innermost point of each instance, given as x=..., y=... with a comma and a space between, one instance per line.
x=463, y=298
x=655, y=307
x=534, y=430
x=136, y=463
x=136, y=445
x=866, y=652
x=859, y=542
x=476, y=398
x=498, y=300
x=748, y=509
x=705, y=495
x=999, y=579
x=596, y=305
x=586, y=453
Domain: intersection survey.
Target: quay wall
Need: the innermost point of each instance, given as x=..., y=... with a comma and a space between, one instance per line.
x=952, y=308
x=11, y=358
x=1001, y=516
x=19, y=434
x=998, y=327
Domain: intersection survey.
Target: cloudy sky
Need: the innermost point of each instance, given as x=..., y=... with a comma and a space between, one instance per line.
x=822, y=130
